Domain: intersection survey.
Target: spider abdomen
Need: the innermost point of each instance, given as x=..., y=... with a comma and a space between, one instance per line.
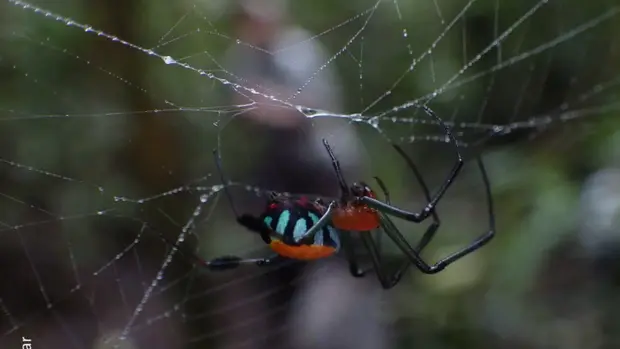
x=290, y=222
x=355, y=218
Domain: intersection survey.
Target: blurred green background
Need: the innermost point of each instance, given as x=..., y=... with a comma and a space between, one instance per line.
x=104, y=148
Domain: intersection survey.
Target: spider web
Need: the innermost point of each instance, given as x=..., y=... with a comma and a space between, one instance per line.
x=84, y=264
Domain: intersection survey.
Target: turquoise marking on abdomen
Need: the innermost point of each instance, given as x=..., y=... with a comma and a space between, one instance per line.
x=283, y=220
x=333, y=234
x=314, y=218
x=268, y=220
x=300, y=229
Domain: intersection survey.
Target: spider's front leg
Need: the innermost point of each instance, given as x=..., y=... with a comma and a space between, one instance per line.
x=404, y=214
x=430, y=206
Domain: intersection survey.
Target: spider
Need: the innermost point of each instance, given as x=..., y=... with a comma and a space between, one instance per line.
x=297, y=228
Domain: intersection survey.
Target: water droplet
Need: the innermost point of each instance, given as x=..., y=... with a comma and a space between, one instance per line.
x=374, y=121
x=168, y=60
x=498, y=128
x=204, y=198
x=308, y=112
x=405, y=33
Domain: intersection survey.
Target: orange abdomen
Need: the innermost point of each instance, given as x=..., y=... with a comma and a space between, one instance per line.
x=355, y=218
x=303, y=252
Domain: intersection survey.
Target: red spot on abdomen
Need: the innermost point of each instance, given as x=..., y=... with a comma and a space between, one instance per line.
x=356, y=218
x=303, y=252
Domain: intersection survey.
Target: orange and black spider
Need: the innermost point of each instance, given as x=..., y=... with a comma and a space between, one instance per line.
x=297, y=228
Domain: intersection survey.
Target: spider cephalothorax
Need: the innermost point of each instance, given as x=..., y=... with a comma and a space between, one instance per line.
x=353, y=215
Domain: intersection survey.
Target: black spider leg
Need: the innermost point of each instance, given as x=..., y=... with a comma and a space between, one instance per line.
x=223, y=262
x=349, y=252
x=386, y=197
x=390, y=229
x=229, y=262
x=388, y=279
x=250, y=222
x=345, y=237
x=225, y=182
x=426, y=211
x=432, y=229
x=345, y=191
x=374, y=246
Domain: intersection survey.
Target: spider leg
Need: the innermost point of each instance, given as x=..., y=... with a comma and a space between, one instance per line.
x=374, y=247
x=424, y=241
x=308, y=236
x=430, y=206
x=256, y=225
x=429, y=234
x=387, y=280
x=223, y=262
x=413, y=255
x=231, y=262
x=347, y=246
x=253, y=223
x=386, y=198
x=225, y=182
x=427, y=195
x=430, y=231
x=344, y=187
